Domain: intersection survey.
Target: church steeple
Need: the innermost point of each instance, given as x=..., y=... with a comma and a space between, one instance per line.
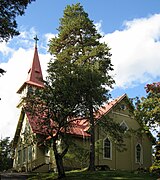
x=35, y=77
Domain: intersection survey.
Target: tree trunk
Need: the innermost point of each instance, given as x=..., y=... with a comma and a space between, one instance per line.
x=59, y=162
x=92, y=141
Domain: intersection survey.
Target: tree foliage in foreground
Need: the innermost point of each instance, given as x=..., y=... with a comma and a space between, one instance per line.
x=148, y=111
x=52, y=110
x=9, y=10
x=5, y=154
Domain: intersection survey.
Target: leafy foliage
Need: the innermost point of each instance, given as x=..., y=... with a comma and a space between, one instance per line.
x=9, y=10
x=148, y=109
x=77, y=155
x=51, y=110
x=5, y=154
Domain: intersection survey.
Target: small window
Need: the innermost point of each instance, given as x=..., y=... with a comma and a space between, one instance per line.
x=138, y=153
x=37, y=71
x=30, y=89
x=124, y=126
x=24, y=154
x=107, y=148
x=47, y=152
x=123, y=107
x=34, y=152
x=29, y=153
x=19, y=157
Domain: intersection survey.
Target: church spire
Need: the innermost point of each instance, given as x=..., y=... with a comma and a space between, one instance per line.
x=35, y=77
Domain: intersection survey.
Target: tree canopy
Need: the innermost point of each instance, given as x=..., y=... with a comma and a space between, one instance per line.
x=52, y=111
x=78, y=53
x=9, y=10
x=148, y=108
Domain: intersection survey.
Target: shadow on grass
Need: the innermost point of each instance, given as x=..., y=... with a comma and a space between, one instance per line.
x=97, y=175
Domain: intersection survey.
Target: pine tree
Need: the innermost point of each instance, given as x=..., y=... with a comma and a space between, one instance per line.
x=85, y=61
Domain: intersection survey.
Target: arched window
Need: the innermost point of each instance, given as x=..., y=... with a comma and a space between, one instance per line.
x=138, y=153
x=107, y=148
x=29, y=153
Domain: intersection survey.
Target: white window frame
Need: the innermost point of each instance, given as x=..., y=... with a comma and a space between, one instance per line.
x=123, y=107
x=141, y=154
x=123, y=122
x=109, y=158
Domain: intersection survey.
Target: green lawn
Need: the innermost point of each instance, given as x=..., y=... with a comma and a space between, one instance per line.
x=85, y=175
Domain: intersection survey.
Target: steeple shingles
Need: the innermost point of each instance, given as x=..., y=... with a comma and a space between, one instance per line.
x=35, y=77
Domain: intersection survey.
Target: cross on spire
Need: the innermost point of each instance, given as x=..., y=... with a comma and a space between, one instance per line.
x=36, y=40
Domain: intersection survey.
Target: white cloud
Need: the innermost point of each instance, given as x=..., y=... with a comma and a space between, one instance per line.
x=49, y=36
x=4, y=49
x=136, y=51
x=98, y=26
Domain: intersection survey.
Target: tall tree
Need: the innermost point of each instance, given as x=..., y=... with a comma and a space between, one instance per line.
x=5, y=154
x=78, y=52
x=9, y=10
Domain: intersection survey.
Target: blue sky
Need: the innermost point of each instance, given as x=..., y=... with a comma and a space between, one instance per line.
x=44, y=15
x=130, y=28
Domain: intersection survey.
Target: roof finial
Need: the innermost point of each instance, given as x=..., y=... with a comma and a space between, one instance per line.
x=36, y=40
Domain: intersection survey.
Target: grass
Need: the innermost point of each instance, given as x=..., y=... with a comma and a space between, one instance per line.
x=97, y=175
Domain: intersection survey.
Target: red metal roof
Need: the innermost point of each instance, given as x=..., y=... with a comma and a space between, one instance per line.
x=108, y=106
x=35, y=76
x=79, y=126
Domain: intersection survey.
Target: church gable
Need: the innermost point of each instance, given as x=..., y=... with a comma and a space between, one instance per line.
x=121, y=111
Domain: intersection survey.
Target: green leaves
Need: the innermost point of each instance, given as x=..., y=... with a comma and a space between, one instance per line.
x=8, y=11
x=148, y=109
